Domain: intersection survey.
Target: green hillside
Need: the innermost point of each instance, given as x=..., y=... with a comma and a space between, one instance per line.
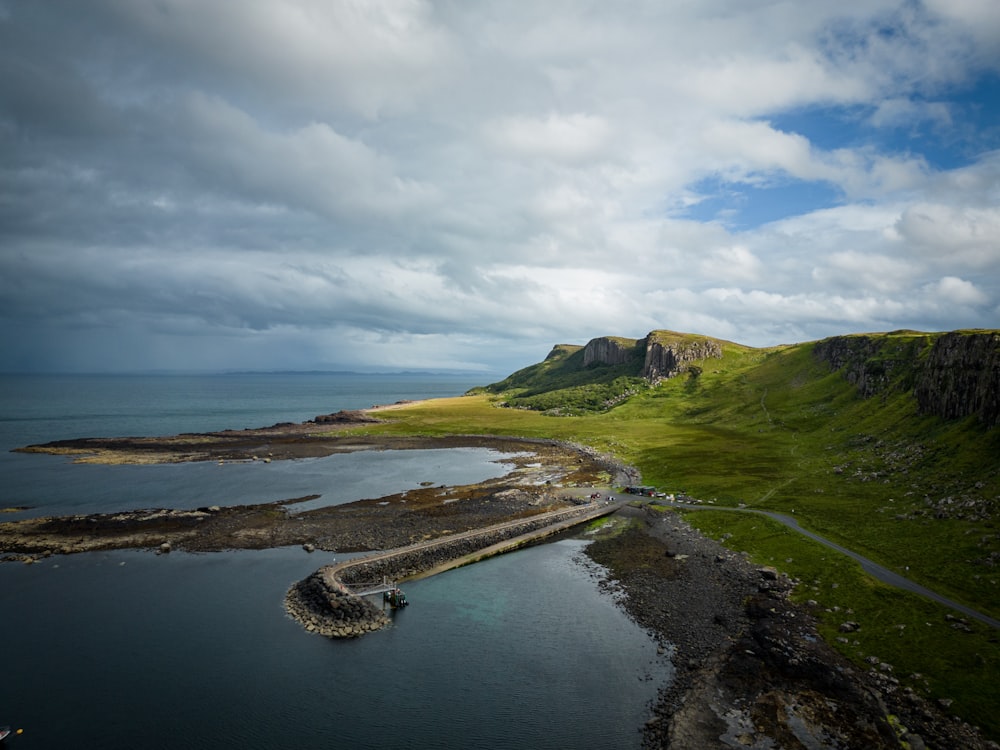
x=563, y=385
x=841, y=433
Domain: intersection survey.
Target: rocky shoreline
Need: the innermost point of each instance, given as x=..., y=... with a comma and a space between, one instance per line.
x=751, y=670
x=537, y=468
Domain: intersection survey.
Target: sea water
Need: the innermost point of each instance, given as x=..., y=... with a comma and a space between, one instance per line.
x=131, y=649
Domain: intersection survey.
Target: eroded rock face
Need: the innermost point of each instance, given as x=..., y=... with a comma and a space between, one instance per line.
x=961, y=377
x=661, y=358
x=608, y=351
x=953, y=375
x=668, y=360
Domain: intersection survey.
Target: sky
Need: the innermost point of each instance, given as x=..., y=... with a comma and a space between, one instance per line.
x=205, y=185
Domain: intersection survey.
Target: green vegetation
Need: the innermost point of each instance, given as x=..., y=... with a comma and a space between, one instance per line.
x=563, y=385
x=780, y=429
x=930, y=649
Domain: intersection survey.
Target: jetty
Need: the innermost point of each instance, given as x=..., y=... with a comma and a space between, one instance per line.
x=333, y=600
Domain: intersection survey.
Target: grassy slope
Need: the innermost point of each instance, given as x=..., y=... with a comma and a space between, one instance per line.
x=775, y=429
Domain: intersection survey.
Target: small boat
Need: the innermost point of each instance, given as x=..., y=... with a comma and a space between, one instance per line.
x=395, y=598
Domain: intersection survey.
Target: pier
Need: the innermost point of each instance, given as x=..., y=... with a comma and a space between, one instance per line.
x=332, y=600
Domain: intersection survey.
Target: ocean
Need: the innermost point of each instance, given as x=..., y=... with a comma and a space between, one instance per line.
x=132, y=649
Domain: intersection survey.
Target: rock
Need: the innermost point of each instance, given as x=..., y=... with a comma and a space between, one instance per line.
x=165, y=548
x=849, y=627
x=768, y=573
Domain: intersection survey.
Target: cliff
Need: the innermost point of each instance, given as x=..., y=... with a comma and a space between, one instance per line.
x=663, y=354
x=609, y=350
x=961, y=377
x=951, y=375
x=670, y=354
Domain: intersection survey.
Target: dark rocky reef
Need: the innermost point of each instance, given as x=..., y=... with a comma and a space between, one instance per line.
x=951, y=375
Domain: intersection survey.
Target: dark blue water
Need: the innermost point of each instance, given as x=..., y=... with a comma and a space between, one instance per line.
x=45, y=408
x=136, y=650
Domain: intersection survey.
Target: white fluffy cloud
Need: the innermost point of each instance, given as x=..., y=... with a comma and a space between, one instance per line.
x=419, y=183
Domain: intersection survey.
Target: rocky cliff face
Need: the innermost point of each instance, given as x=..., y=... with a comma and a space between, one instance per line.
x=961, y=376
x=664, y=356
x=873, y=363
x=952, y=376
x=665, y=359
x=608, y=350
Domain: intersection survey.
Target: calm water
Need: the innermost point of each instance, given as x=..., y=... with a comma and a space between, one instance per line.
x=131, y=649
x=40, y=409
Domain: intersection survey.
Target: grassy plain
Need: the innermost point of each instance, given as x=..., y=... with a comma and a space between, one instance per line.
x=775, y=429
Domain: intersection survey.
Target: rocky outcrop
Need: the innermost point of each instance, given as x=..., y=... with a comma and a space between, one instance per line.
x=608, y=350
x=951, y=375
x=869, y=363
x=662, y=354
x=344, y=417
x=667, y=357
x=961, y=377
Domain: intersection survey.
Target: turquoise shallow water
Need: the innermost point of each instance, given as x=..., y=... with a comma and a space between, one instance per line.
x=132, y=649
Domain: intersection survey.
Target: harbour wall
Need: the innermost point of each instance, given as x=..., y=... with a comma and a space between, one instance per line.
x=326, y=603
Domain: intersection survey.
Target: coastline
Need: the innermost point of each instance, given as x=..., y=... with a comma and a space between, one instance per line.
x=539, y=471
x=750, y=668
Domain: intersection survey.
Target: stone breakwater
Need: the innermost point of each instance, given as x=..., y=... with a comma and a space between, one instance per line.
x=323, y=605
x=324, y=602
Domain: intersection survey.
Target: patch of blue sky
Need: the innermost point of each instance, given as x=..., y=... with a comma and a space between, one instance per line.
x=949, y=129
x=742, y=206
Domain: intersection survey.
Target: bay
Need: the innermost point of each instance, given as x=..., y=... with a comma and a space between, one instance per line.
x=132, y=649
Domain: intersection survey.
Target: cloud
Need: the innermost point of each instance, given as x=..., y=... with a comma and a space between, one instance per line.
x=568, y=138
x=320, y=184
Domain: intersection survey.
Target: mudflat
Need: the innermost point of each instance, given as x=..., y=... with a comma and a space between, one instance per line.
x=540, y=473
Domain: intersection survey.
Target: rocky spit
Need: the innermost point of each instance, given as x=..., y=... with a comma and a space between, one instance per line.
x=751, y=670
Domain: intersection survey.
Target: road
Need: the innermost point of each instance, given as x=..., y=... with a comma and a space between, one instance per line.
x=874, y=569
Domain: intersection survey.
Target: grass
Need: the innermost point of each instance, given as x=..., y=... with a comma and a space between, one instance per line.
x=912, y=634
x=775, y=429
